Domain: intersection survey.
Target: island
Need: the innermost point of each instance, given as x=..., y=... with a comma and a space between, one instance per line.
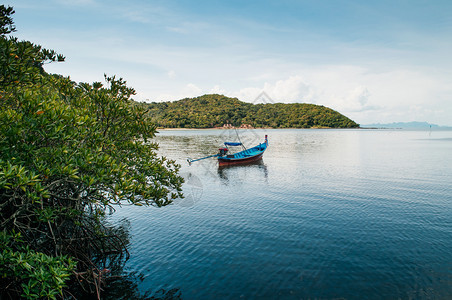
x=219, y=111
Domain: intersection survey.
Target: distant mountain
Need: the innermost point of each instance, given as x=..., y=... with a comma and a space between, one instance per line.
x=212, y=111
x=403, y=125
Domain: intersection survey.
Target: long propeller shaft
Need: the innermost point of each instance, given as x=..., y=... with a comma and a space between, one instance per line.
x=193, y=160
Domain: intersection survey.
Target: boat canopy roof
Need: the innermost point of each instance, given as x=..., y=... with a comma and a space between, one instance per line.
x=232, y=144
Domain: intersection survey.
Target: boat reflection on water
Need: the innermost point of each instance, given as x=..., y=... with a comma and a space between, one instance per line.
x=240, y=173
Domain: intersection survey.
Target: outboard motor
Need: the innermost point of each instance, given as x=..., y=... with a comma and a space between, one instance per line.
x=223, y=151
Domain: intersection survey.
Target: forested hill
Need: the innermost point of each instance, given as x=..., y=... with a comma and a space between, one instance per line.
x=214, y=110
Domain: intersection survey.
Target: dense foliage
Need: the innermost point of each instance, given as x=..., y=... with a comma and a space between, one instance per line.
x=68, y=153
x=216, y=110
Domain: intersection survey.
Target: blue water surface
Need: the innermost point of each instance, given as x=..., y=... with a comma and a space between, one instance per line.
x=327, y=214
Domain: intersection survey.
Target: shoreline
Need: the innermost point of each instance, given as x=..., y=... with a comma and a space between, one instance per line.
x=217, y=128
x=312, y=128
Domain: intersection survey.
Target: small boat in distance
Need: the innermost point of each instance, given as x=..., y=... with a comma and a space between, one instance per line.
x=243, y=157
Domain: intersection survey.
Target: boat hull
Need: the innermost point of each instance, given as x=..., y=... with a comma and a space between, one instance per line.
x=239, y=161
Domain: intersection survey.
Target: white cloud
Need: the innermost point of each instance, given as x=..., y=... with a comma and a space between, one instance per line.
x=218, y=90
x=171, y=74
x=248, y=94
x=137, y=16
x=187, y=91
x=293, y=89
x=357, y=100
x=192, y=90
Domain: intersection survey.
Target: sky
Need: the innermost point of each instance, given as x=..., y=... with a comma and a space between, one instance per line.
x=373, y=61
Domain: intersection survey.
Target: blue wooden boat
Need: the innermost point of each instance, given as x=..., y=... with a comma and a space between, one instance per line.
x=243, y=157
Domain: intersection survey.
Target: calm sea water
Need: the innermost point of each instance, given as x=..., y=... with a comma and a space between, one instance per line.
x=353, y=214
